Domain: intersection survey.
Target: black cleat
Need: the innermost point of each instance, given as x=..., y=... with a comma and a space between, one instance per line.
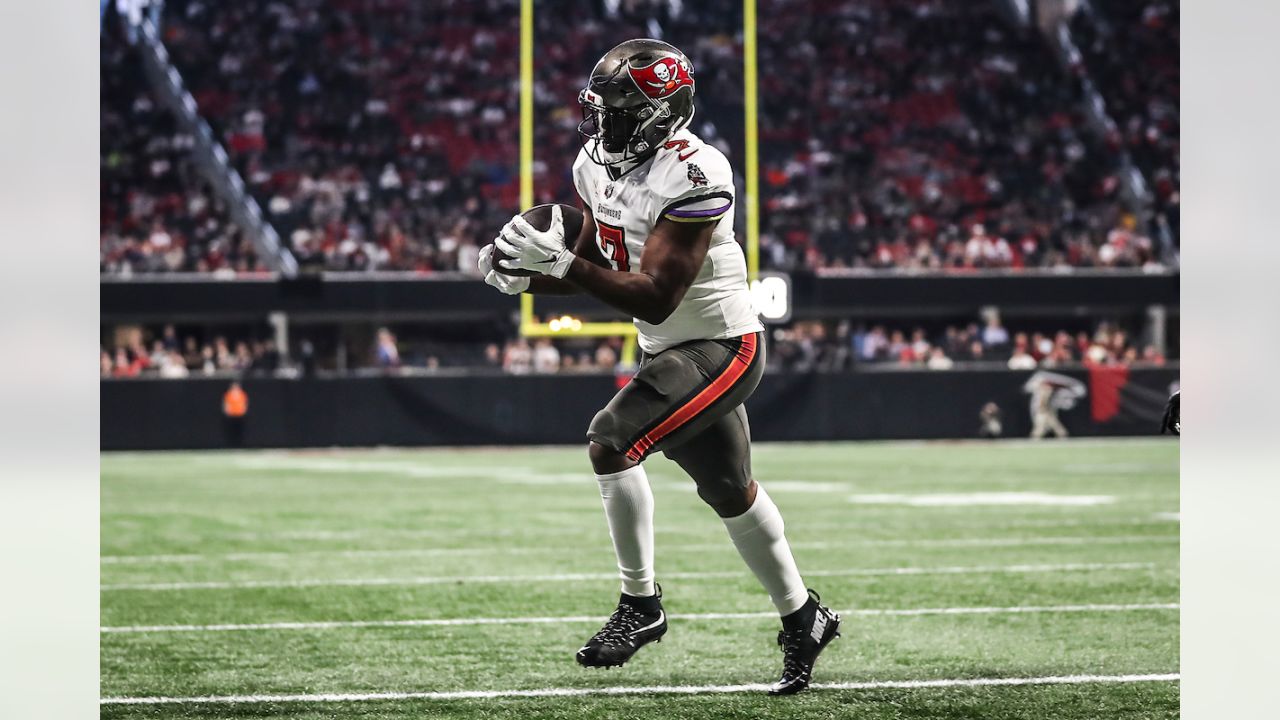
x=805, y=634
x=636, y=623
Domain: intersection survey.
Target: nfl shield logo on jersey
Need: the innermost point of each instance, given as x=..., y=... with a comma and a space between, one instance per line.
x=608, y=191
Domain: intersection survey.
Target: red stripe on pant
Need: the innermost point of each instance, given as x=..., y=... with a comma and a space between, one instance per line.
x=687, y=412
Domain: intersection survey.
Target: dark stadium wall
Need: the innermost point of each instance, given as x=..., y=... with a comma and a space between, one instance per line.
x=555, y=409
x=166, y=298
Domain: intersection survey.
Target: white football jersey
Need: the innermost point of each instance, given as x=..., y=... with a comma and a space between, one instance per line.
x=687, y=180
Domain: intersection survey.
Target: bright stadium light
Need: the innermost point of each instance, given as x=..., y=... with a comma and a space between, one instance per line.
x=566, y=323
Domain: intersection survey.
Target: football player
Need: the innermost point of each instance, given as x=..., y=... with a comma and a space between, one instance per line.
x=657, y=243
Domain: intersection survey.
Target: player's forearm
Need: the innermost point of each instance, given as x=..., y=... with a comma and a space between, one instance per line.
x=636, y=294
x=545, y=285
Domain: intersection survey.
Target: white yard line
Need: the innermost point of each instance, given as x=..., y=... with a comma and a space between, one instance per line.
x=968, y=499
x=575, y=577
x=523, y=535
x=570, y=619
x=655, y=690
x=700, y=547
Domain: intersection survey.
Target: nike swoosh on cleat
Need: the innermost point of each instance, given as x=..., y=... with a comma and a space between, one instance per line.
x=661, y=616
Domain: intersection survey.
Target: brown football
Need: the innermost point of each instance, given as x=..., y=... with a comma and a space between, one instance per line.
x=540, y=218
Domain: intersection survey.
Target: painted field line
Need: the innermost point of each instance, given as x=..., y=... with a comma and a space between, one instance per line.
x=979, y=499
x=193, y=558
x=523, y=535
x=577, y=577
x=655, y=690
x=570, y=619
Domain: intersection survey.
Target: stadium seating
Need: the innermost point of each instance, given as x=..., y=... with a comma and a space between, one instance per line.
x=1130, y=49
x=893, y=134
x=893, y=129
x=156, y=214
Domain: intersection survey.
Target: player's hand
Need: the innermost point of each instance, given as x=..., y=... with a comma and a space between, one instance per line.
x=1172, y=415
x=528, y=248
x=509, y=284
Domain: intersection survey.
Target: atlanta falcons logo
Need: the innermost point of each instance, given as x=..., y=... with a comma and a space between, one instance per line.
x=662, y=78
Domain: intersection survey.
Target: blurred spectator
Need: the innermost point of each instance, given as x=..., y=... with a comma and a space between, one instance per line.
x=518, y=358
x=938, y=360
x=208, y=365
x=1021, y=358
x=606, y=357
x=492, y=355
x=994, y=334
x=243, y=359
x=159, y=355
x=124, y=367
x=266, y=357
x=989, y=425
x=388, y=355
x=546, y=359
x=307, y=354
x=173, y=366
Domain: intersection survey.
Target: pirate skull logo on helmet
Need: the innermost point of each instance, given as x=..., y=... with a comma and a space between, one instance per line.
x=639, y=95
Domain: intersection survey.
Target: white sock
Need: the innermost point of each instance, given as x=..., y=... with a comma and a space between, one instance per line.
x=628, y=505
x=758, y=535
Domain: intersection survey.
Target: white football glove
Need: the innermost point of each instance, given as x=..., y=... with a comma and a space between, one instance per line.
x=530, y=249
x=508, y=284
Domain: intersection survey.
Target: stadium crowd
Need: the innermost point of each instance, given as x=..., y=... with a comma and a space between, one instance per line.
x=156, y=214
x=803, y=346
x=134, y=351
x=147, y=353
x=918, y=134
x=825, y=346
x=709, y=32
x=1130, y=49
x=929, y=134
x=375, y=136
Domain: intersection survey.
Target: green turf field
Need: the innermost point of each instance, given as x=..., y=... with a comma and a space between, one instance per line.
x=388, y=572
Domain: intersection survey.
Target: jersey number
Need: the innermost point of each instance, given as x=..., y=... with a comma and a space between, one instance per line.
x=613, y=245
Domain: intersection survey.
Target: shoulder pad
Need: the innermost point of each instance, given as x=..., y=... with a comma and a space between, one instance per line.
x=685, y=165
x=693, y=181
